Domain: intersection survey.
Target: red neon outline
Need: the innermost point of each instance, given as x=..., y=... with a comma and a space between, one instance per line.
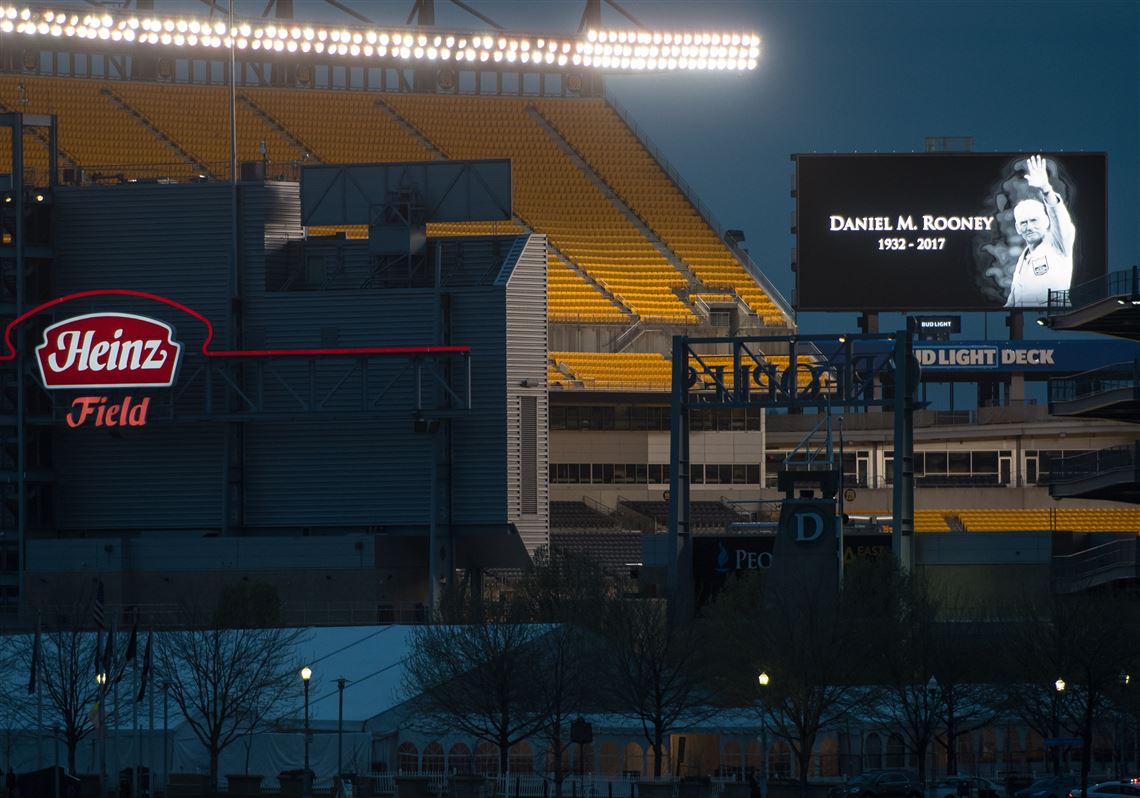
x=355, y=350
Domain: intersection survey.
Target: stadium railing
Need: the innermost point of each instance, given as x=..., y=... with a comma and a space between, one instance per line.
x=1123, y=283
x=1112, y=377
x=1117, y=557
x=1089, y=464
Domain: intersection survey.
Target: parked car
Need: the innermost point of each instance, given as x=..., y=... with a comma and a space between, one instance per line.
x=895, y=783
x=1049, y=787
x=1109, y=789
x=972, y=786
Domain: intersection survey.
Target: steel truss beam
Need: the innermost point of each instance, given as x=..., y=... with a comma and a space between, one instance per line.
x=328, y=386
x=793, y=372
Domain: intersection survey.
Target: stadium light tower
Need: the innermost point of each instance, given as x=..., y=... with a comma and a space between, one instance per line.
x=630, y=49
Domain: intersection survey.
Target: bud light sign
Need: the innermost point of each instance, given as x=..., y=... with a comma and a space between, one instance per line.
x=108, y=351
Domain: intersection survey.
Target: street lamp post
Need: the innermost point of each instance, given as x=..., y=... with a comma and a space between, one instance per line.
x=1059, y=687
x=1122, y=733
x=101, y=680
x=340, y=728
x=165, y=732
x=763, y=679
x=932, y=706
x=306, y=675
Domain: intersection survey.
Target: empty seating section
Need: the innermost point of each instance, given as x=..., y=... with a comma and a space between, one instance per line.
x=579, y=515
x=117, y=128
x=704, y=515
x=198, y=119
x=506, y=227
x=341, y=126
x=553, y=196
x=648, y=371
x=571, y=298
x=434, y=230
x=780, y=362
x=711, y=299
x=93, y=132
x=634, y=370
x=616, y=551
x=603, y=139
x=1063, y=519
x=556, y=377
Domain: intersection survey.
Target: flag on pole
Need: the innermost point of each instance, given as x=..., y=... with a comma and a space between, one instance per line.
x=133, y=642
x=109, y=651
x=98, y=650
x=35, y=662
x=145, y=667
x=99, y=610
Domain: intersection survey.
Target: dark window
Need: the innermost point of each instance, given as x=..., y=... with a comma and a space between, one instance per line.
x=754, y=474
x=985, y=462
x=755, y=416
x=621, y=418
x=960, y=463
x=697, y=473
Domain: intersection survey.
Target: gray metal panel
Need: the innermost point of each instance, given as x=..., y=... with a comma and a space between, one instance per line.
x=359, y=474
x=451, y=191
x=139, y=478
x=526, y=345
x=193, y=553
x=171, y=240
x=479, y=467
x=477, y=261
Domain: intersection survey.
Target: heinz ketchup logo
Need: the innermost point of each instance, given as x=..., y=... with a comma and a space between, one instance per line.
x=108, y=350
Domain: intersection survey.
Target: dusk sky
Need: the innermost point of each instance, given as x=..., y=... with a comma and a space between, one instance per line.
x=837, y=77
x=868, y=77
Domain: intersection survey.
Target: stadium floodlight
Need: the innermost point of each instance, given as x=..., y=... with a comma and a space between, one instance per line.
x=606, y=50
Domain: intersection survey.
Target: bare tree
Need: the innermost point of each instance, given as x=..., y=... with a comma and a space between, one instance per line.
x=564, y=591
x=473, y=670
x=654, y=670
x=924, y=656
x=226, y=680
x=66, y=676
x=797, y=633
x=1078, y=647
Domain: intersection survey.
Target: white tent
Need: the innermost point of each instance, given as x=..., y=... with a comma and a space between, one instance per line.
x=369, y=659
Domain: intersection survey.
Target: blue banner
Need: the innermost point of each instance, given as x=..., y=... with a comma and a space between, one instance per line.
x=1052, y=358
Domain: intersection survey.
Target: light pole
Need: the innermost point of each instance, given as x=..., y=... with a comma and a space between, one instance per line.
x=1059, y=687
x=306, y=675
x=101, y=680
x=340, y=682
x=932, y=705
x=763, y=679
x=165, y=732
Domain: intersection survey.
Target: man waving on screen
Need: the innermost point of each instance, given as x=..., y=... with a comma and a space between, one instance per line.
x=1047, y=260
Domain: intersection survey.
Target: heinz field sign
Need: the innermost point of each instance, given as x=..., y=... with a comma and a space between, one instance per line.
x=105, y=352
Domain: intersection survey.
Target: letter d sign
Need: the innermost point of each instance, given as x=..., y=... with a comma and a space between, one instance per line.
x=802, y=535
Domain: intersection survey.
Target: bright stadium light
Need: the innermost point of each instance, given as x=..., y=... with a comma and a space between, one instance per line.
x=610, y=50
